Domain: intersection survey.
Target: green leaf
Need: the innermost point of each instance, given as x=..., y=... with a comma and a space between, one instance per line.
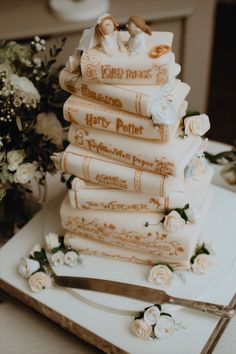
x=159, y=306
x=55, y=249
x=39, y=256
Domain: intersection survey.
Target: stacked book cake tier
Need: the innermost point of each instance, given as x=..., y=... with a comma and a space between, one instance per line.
x=137, y=177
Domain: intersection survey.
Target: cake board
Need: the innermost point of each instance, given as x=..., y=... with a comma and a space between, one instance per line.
x=109, y=331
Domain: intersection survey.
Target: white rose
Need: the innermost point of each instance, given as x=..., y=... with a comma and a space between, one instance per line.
x=173, y=222
x=39, y=281
x=202, y=263
x=78, y=184
x=36, y=248
x=199, y=124
x=26, y=88
x=161, y=275
x=193, y=215
x=28, y=266
x=52, y=241
x=49, y=125
x=14, y=159
x=57, y=258
x=25, y=173
x=141, y=328
x=164, y=327
x=71, y=258
x=151, y=315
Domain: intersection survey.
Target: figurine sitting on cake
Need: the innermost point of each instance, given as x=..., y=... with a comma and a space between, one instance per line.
x=138, y=30
x=104, y=36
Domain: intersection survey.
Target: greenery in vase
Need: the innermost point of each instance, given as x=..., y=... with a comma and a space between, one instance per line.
x=31, y=122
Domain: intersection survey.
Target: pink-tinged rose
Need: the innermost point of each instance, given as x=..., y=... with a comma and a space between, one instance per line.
x=39, y=281
x=141, y=329
x=173, y=222
x=151, y=315
x=197, y=125
x=202, y=263
x=160, y=275
x=164, y=327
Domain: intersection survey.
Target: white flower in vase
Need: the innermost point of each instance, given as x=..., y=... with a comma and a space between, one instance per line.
x=52, y=241
x=57, y=258
x=151, y=315
x=164, y=327
x=27, y=89
x=160, y=275
x=173, y=222
x=28, y=266
x=202, y=263
x=71, y=258
x=39, y=281
x=141, y=329
x=14, y=159
x=25, y=173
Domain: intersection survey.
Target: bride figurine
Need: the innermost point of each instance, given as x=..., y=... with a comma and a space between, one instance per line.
x=104, y=36
x=138, y=30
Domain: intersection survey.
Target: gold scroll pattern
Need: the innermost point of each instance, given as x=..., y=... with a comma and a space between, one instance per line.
x=153, y=242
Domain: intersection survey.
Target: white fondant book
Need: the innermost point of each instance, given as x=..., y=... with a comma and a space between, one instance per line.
x=148, y=101
x=123, y=68
x=104, y=171
x=92, y=114
x=87, y=195
x=167, y=159
x=131, y=233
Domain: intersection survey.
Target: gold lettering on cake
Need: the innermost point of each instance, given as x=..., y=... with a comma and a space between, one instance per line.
x=130, y=128
x=92, y=120
x=93, y=95
x=138, y=74
x=108, y=72
x=111, y=181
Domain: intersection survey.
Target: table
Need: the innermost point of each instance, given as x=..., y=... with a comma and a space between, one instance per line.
x=23, y=331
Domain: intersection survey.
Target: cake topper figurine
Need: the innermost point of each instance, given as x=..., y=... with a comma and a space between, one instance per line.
x=138, y=30
x=103, y=36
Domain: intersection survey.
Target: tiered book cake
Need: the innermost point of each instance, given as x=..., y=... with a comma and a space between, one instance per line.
x=139, y=182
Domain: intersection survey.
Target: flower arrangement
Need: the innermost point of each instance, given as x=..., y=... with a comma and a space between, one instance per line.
x=36, y=268
x=31, y=122
x=153, y=323
x=194, y=123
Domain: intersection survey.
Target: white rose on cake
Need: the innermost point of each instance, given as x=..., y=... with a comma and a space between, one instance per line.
x=151, y=315
x=71, y=258
x=14, y=159
x=141, y=329
x=202, y=263
x=197, y=125
x=160, y=275
x=52, y=241
x=28, y=266
x=25, y=172
x=49, y=125
x=173, y=222
x=57, y=258
x=193, y=215
x=164, y=327
x=36, y=248
x=39, y=281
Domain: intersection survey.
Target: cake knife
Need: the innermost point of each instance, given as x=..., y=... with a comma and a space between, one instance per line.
x=140, y=293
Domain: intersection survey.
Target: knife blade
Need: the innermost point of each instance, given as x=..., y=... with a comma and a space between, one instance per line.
x=140, y=293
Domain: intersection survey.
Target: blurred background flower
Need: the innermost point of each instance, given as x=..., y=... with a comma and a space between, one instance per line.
x=31, y=124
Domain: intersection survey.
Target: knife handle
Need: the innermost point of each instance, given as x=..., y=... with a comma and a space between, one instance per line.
x=220, y=310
